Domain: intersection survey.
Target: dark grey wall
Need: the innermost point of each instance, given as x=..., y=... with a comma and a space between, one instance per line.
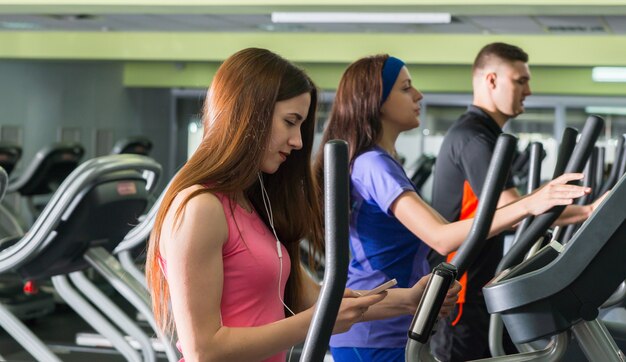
x=151, y=110
x=42, y=97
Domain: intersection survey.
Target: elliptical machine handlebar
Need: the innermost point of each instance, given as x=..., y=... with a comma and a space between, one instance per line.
x=582, y=151
x=434, y=293
x=336, y=213
x=534, y=179
x=566, y=148
x=494, y=183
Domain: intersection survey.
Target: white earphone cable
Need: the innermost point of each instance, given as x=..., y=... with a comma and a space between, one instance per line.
x=268, y=209
x=270, y=216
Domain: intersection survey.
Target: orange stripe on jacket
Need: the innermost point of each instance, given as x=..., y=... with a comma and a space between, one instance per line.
x=469, y=204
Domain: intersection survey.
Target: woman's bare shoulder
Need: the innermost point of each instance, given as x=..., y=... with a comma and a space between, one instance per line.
x=201, y=218
x=205, y=199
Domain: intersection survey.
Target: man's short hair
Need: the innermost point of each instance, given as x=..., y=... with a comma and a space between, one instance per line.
x=502, y=51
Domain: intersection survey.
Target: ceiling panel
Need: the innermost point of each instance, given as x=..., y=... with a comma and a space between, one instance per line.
x=461, y=26
x=390, y=28
x=570, y=20
x=262, y=23
x=318, y=28
x=147, y=22
x=239, y=22
x=616, y=24
x=572, y=24
x=199, y=22
x=507, y=24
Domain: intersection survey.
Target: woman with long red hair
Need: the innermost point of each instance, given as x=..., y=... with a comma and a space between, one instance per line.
x=223, y=258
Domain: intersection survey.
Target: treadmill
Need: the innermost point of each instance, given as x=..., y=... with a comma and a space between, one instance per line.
x=86, y=218
x=50, y=166
x=137, y=145
x=10, y=154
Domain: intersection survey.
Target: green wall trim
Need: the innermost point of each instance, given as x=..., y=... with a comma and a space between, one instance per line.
x=427, y=78
x=306, y=47
x=169, y=75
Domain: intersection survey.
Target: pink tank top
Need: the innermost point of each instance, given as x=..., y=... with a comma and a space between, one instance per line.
x=251, y=272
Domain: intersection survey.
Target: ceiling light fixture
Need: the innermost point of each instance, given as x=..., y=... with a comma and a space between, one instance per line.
x=619, y=111
x=608, y=74
x=361, y=18
x=18, y=25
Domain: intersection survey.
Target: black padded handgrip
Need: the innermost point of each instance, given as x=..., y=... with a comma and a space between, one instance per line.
x=428, y=308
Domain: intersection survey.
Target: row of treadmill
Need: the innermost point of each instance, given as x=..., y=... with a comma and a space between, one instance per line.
x=550, y=289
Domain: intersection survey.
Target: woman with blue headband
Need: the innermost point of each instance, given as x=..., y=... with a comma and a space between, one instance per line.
x=391, y=228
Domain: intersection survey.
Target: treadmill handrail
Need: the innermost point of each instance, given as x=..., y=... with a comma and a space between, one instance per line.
x=64, y=200
x=141, y=232
x=25, y=177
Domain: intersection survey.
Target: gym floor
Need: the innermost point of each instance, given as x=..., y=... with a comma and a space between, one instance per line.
x=58, y=330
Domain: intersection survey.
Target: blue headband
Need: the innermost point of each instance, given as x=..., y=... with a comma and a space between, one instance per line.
x=391, y=69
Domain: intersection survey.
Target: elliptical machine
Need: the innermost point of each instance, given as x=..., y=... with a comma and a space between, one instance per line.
x=555, y=292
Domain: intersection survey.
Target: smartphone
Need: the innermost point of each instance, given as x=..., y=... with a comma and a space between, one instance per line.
x=381, y=288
